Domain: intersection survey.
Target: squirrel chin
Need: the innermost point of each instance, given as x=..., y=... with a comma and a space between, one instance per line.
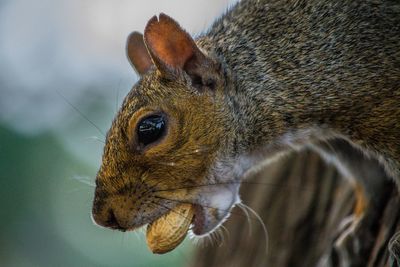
x=214, y=208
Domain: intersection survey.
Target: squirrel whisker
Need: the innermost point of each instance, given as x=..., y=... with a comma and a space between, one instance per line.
x=96, y=139
x=81, y=113
x=228, y=183
x=242, y=208
x=84, y=180
x=168, y=208
x=261, y=222
x=205, y=206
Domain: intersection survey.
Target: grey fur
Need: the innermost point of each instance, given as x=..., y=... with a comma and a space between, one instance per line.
x=277, y=76
x=333, y=66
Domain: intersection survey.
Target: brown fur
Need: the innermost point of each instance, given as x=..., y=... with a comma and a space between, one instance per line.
x=267, y=76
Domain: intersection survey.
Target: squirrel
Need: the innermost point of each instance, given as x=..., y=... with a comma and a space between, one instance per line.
x=268, y=77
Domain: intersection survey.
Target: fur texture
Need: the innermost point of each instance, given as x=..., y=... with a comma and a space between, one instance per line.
x=268, y=77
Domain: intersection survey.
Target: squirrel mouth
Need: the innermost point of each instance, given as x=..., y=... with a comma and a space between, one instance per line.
x=206, y=220
x=198, y=220
x=213, y=208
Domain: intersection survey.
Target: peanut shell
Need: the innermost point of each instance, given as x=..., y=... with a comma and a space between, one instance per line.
x=167, y=232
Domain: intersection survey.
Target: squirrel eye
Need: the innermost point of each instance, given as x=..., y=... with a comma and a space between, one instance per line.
x=150, y=129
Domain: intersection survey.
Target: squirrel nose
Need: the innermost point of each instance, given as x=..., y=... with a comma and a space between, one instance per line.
x=112, y=221
x=108, y=220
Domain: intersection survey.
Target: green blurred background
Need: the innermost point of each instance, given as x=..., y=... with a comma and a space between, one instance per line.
x=55, y=55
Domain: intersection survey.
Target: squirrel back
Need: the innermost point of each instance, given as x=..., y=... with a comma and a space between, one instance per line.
x=322, y=74
x=267, y=76
x=328, y=65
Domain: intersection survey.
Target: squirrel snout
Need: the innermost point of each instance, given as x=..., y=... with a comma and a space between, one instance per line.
x=123, y=210
x=116, y=218
x=108, y=220
x=105, y=213
x=113, y=213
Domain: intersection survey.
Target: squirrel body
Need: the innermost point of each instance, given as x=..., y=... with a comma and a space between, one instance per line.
x=266, y=78
x=330, y=71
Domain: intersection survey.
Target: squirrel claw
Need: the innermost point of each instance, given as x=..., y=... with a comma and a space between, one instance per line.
x=394, y=250
x=353, y=237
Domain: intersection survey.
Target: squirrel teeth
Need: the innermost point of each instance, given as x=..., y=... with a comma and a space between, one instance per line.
x=167, y=232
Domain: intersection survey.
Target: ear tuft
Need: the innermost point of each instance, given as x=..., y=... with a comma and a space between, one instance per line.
x=137, y=53
x=168, y=44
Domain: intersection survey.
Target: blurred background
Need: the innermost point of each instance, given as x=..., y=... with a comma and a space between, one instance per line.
x=63, y=75
x=61, y=61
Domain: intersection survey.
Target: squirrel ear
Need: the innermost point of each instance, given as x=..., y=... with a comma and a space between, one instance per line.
x=137, y=53
x=172, y=48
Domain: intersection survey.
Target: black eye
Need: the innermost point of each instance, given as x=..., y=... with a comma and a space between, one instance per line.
x=150, y=129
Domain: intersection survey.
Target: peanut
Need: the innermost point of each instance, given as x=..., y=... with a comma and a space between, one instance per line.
x=167, y=232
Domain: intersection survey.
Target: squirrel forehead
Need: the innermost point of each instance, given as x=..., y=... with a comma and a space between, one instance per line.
x=153, y=87
x=154, y=91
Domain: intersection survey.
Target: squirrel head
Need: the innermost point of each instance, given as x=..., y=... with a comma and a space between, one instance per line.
x=164, y=146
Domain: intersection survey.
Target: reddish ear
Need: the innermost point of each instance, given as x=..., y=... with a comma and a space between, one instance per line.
x=170, y=46
x=137, y=53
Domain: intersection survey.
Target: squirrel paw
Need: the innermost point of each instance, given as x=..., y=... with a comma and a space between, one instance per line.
x=347, y=230
x=394, y=250
x=348, y=242
x=346, y=249
x=353, y=238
